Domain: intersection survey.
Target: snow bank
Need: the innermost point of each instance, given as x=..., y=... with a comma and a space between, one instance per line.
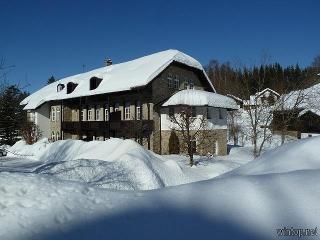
x=297, y=155
x=234, y=207
x=115, y=163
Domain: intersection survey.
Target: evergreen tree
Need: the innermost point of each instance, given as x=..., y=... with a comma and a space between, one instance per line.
x=12, y=114
x=51, y=80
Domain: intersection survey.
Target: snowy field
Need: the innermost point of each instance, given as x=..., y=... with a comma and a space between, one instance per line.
x=75, y=190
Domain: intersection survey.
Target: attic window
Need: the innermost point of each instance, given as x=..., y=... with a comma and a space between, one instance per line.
x=94, y=82
x=71, y=87
x=60, y=87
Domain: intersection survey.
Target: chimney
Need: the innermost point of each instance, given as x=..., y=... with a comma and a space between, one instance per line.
x=108, y=62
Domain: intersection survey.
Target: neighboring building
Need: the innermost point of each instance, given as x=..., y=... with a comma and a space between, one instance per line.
x=122, y=100
x=266, y=96
x=238, y=100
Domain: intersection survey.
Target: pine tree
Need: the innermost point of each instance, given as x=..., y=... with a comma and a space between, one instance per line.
x=51, y=80
x=12, y=114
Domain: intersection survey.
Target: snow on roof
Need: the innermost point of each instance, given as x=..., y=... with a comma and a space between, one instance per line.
x=315, y=111
x=265, y=90
x=253, y=98
x=235, y=97
x=116, y=78
x=200, y=98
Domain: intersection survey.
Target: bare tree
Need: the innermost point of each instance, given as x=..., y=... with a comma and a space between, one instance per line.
x=30, y=132
x=192, y=130
x=235, y=126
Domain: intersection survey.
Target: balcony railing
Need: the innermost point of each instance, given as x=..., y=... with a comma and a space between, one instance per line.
x=126, y=125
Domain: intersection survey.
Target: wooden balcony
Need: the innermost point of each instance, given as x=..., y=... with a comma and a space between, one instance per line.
x=126, y=126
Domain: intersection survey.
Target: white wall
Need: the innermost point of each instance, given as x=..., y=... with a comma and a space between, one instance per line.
x=42, y=119
x=214, y=123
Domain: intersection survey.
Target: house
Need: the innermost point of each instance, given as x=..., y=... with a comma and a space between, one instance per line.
x=266, y=96
x=238, y=100
x=125, y=101
x=301, y=111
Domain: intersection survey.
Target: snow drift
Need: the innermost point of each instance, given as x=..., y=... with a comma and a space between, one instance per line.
x=296, y=155
x=115, y=163
x=275, y=191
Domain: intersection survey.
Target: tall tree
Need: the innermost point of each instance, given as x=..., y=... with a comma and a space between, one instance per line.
x=12, y=114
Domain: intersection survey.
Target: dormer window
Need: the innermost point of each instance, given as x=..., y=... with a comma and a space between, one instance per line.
x=71, y=87
x=94, y=82
x=60, y=87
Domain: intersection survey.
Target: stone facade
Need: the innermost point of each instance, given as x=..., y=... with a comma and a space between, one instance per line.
x=213, y=142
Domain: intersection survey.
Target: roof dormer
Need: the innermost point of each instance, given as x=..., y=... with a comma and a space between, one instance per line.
x=95, y=82
x=71, y=87
x=60, y=87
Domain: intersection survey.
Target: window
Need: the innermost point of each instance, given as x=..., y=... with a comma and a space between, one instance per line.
x=106, y=113
x=83, y=115
x=58, y=136
x=220, y=113
x=188, y=84
x=30, y=116
x=58, y=113
x=138, y=110
x=98, y=113
x=60, y=87
x=127, y=111
x=116, y=107
x=53, y=136
x=90, y=115
x=191, y=84
x=171, y=111
x=53, y=114
x=208, y=113
x=193, y=112
x=173, y=81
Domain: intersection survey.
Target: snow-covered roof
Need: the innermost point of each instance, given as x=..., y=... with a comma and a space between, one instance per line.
x=201, y=98
x=254, y=98
x=235, y=97
x=267, y=90
x=116, y=78
x=315, y=111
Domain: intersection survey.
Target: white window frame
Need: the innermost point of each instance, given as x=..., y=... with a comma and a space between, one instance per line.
x=138, y=110
x=58, y=113
x=53, y=136
x=90, y=115
x=173, y=81
x=57, y=136
x=106, y=113
x=97, y=114
x=53, y=114
x=127, y=114
x=83, y=115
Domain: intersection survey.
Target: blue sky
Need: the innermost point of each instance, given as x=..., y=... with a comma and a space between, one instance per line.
x=44, y=38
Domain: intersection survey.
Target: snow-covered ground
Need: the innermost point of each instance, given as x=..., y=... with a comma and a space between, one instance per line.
x=115, y=164
x=277, y=190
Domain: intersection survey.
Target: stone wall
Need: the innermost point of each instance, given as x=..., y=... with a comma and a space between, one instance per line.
x=212, y=141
